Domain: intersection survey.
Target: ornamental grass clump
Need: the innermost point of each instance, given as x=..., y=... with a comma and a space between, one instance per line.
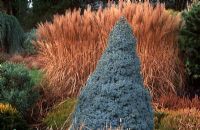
x=72, y=44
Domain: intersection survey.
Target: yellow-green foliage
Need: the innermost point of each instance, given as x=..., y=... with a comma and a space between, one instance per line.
x=60, y=116
x=183, y=119
x=10, y=118
x=7, y=108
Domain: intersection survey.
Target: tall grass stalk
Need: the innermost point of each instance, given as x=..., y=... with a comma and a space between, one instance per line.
x=72, y=44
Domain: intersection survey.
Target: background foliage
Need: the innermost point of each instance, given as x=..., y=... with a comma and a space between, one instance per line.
x=28, y=45
x=11, y=34
x=190, y=45
x=31, y=12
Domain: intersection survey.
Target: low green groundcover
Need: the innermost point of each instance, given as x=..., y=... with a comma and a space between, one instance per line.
x=164, y=119
x=61, y=115
x=182, y=119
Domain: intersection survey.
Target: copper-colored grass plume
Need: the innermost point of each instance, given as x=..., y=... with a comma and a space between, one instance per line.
x=72, y=44
x=174, y=102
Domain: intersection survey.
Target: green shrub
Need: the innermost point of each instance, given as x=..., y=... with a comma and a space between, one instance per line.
x=36, y=76
x=10, y=118
x=61, y=115
x=190, y=42
x=30, y=37
x=16, y=86
x=183, y=119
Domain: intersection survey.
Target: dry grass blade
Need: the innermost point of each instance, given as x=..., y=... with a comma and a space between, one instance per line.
x=71, y=45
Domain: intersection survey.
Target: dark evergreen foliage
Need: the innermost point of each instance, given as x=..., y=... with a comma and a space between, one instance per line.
x=14, y=7
x=190, y=45
x=176, y=4
x=115, y=90
x=11, y=34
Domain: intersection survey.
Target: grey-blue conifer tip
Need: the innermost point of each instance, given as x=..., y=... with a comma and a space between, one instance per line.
x=114, y=94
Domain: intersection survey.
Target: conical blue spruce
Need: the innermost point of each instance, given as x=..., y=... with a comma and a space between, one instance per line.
x=114, y=94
